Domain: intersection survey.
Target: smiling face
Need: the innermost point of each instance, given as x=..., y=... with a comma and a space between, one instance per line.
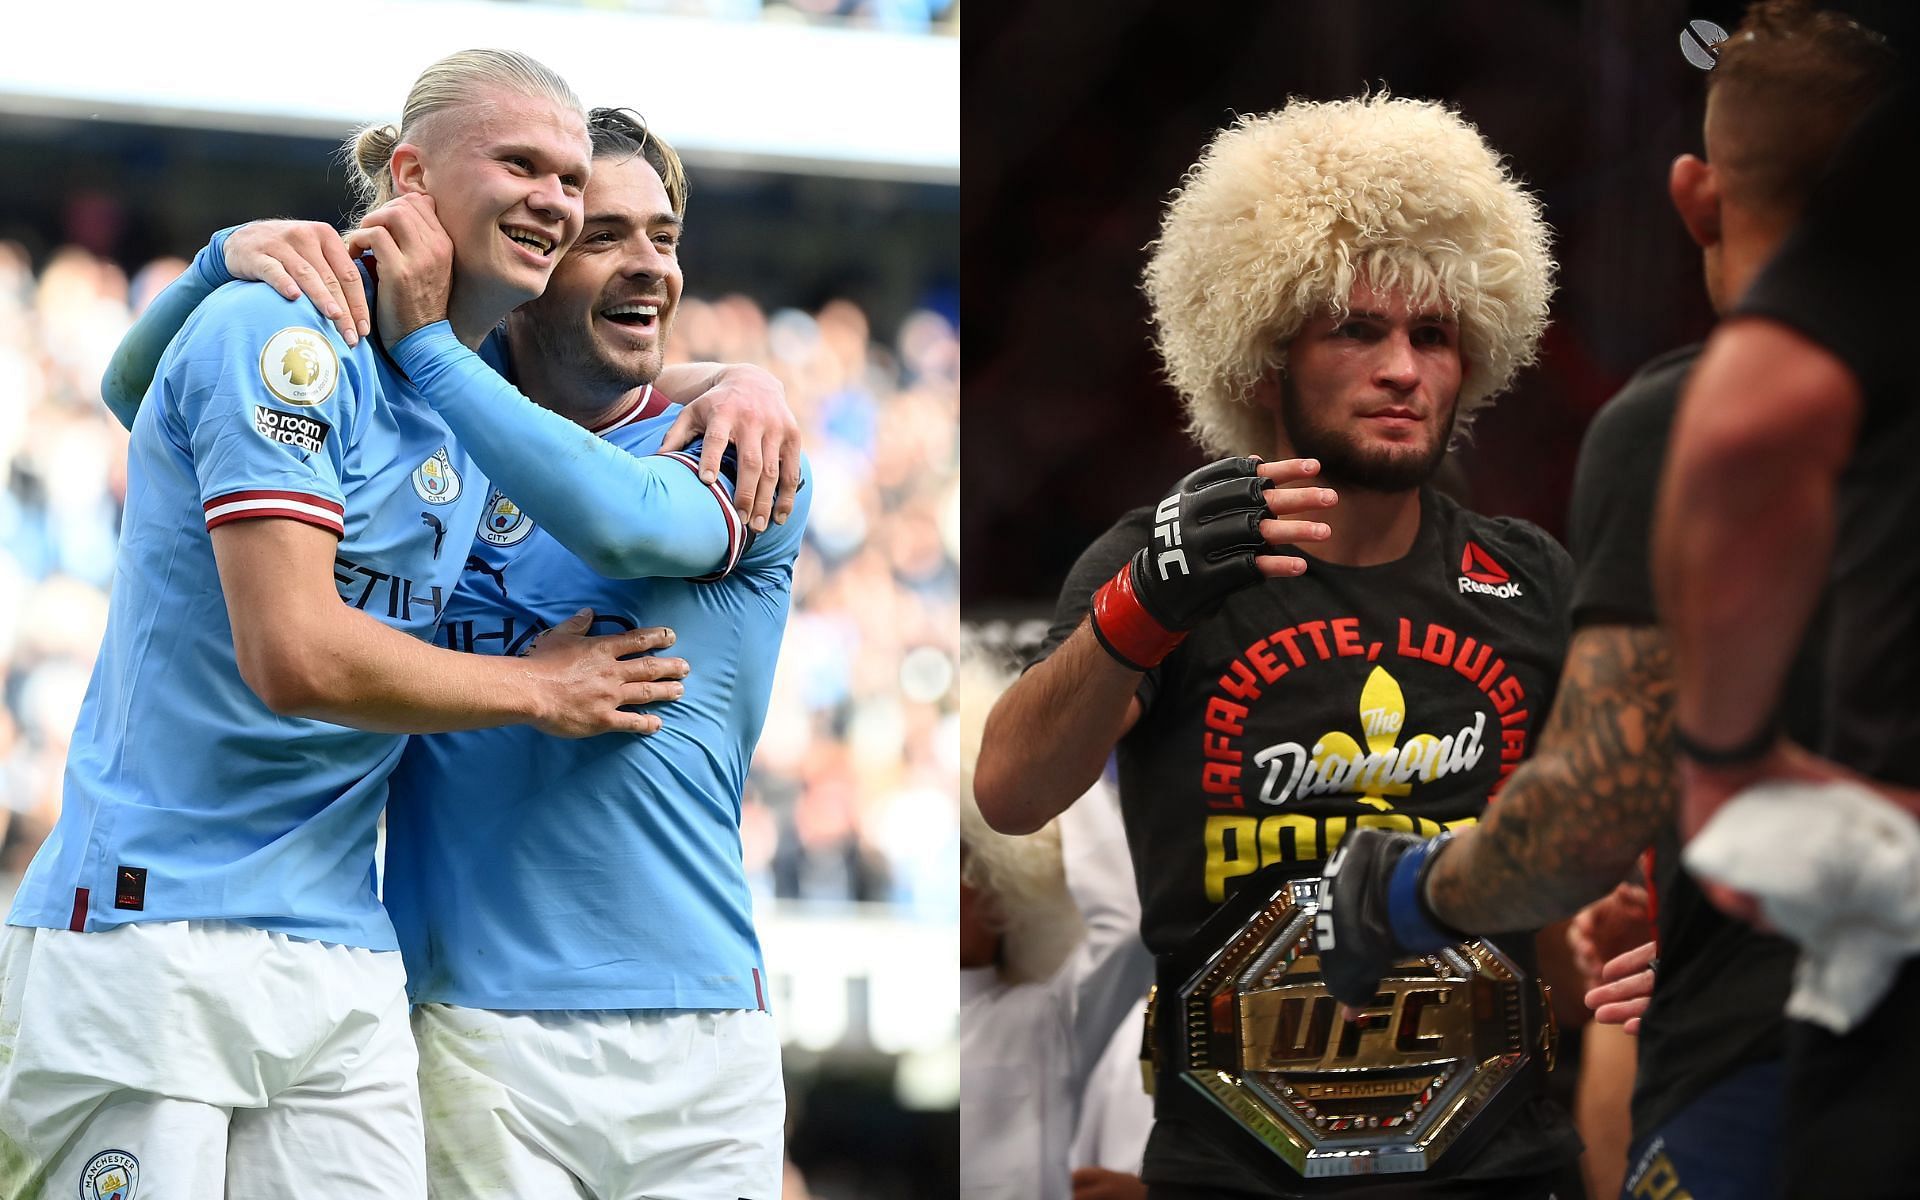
x=1372, y=394
x=507, y=177
x=606, y=314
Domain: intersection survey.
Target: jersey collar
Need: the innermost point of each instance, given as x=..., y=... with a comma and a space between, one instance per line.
x=648, y=403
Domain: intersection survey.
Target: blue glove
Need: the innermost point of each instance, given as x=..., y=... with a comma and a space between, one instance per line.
x=1373, y=910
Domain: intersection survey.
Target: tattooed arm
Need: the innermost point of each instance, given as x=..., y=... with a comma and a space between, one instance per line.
x=1572, y=819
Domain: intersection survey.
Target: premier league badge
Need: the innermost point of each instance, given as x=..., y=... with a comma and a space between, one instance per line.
x=436, y=481
x=110, y=1175
x=299, y=366
x=504, y=524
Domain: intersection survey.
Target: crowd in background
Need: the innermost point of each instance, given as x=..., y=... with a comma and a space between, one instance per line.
x=852, y=794
x=894, y=16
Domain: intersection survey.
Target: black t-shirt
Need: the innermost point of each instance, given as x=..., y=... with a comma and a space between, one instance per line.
x=1844, y=286
x=1398, y=695
x=1722, y=984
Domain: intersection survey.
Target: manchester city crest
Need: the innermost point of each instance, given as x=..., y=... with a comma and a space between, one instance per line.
x=504, y=524
x=435, y=481
x=110, y=1175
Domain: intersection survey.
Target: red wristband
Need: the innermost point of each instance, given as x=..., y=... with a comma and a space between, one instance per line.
x=1124, y=628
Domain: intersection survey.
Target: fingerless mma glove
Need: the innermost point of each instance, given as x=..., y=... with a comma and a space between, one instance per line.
x=1206, y=535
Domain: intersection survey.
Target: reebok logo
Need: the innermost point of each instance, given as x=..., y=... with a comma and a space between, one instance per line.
x=1476, y=564
x=1479, y=573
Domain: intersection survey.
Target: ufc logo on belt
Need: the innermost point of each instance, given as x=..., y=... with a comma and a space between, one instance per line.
x=1166, y=531
x=1297, y=1027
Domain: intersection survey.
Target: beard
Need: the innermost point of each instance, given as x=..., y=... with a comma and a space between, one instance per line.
x=568, y=345
x=1345, y=460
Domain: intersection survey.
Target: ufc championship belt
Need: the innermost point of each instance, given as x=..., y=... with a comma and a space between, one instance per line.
x=1241, y=1031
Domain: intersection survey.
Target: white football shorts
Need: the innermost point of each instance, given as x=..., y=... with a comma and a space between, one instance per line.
x=183, y=1060
x=641, y=1105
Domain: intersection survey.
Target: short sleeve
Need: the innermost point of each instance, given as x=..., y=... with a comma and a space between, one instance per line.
x=739, y=535
x=1832, y=283
x=1615, y=487
x=261, y=395
x=1101, y=562
x=778, y=544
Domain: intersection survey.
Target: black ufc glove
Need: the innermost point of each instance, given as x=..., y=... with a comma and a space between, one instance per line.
x=1206, y=535
x=1373, y=910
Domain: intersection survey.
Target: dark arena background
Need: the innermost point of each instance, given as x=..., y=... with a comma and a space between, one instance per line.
x=1079, y=121
x=822, y=141
x=1075, y=131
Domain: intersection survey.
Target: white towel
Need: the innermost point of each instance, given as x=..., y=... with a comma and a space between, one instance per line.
x=1836, y=868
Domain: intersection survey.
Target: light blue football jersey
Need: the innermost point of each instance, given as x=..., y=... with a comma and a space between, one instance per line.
x=531, y=872
x=185, y=797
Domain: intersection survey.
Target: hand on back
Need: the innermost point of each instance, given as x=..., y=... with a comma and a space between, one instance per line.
x=592, y=680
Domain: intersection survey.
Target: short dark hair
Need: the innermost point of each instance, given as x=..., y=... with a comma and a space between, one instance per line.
x=1790, y=82
x=623, y=133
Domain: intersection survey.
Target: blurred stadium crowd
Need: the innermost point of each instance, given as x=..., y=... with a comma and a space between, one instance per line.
x=828, y=248
x=851, y=797
x=894, y=16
